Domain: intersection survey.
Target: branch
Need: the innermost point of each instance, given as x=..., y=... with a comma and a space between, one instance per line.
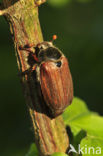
x=22, y=15
x=2, y=10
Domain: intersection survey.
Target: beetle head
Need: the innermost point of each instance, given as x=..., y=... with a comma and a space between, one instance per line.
x=46, y=51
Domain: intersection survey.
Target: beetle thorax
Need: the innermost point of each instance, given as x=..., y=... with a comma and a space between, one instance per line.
x=48, y=52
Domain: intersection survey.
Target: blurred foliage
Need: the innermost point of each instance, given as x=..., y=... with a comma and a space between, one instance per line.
x=62, y=3
x=84, y=1
x=33, y=151
x=79, y=27
x=58, y=3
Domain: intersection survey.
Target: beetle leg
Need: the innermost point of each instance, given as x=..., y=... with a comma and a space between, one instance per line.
x=34, y=67
x=28, y=48
x=28, y=71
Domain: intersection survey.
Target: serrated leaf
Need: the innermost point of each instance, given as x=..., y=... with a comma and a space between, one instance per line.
x=33, y=151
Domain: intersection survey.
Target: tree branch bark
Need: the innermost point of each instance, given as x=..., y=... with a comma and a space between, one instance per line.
x=22, y=15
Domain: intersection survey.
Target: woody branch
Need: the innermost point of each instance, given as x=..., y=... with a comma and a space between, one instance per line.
x=22, y=16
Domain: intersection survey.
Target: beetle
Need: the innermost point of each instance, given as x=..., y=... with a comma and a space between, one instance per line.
x=53, y=75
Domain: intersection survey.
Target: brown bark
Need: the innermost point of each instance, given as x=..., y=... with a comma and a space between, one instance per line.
x=22, y=15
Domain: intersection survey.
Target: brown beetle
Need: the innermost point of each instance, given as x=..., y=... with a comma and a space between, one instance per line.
x=54, y=76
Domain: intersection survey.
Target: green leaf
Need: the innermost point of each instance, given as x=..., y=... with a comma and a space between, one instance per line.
x=84, y=1
x=79, y=118
x=77, y=110
x=33, y=151
x=58, y=3
x=92, y=146
x=59, y=154
x=61, y=3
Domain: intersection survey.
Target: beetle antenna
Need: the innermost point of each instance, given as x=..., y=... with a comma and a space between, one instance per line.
x=54, y=38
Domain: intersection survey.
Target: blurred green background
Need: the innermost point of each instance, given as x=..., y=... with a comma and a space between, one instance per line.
x=79, y=27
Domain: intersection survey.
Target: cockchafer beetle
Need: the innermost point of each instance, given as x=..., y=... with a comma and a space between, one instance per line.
x=53, y=75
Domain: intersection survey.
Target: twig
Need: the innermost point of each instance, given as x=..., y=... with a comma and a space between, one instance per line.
x=22, y=15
